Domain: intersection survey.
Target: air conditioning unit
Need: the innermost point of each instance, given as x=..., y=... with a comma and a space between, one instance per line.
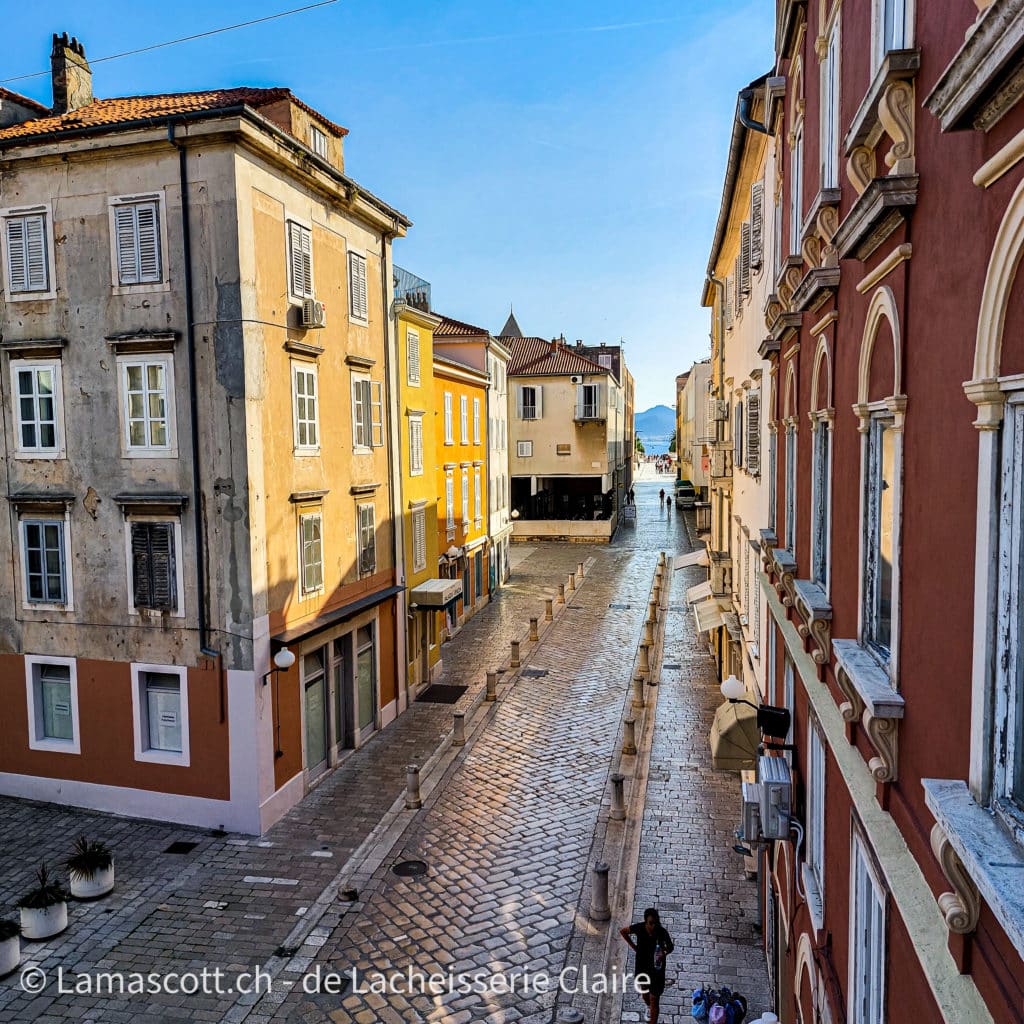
x=314, y=313
x=575, y=379
x=776, y=796
x=750, y=819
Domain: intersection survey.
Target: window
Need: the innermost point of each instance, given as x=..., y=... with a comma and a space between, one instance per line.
x=524, y=449
x=477, y=495
x=448, y=429
x=52, y=691
x=367, y=539
x=463, y=419
x=815, y=813
x=604, y=359
x=530, y=402
x=449, y=503
x=830, y=111
x=891, y=33
x=358, y=306
x=367, y=412
x=412, y=356
x=138, y=246
x=465, y=500
x=791, y=488
x=476, y=421
x=38, y=408
x=160, y=713
x=773, y=458
x=147, y=403
x=28, y=248
x=155, y=569
x=300, y=261
x=318, y=141
x=419, y=539
x=44, y=556
x=867, y=942
x=796, y=203
x=588, y=398
x=752, y=441
x=311, y=553
x=821, y=486
x=777, y=239
x=879, y=535
x=415, y=445
x=305, y=407
x=738, y=422
x=788, y=693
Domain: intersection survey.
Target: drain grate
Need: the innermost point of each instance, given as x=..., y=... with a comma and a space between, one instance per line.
x=620, y=607
x=410, y=868
x=440, y=693
x=534, y=673
x=671, y=664
x=179, y=846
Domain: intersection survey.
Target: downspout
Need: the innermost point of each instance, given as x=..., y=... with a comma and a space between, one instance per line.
x=193, y=404
x=743, y=113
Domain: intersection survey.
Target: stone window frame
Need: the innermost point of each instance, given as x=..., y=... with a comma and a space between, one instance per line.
x=157, y=196
x=140, y=729
x=33, y=698
x=878, y=48
x=45, y=210
x=59, y=451
x=178, y=612
x=148, y=451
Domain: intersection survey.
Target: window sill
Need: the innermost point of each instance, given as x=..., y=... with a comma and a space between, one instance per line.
x=155, y=453
x=54, y=746
x=140, y=289
x=783, y=568
x=978, y=858
x=358, y=321
x=31, y=296
x=813, y=606
x=815, y=901
x=162, y=757
x=25, y=456
x=306, y=453
x=871, y=698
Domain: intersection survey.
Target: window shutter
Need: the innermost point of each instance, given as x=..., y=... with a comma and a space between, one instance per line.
x=727, y=303
x=295, y=271
x=367, y=539
x=745, y=259
x=465, y=499
x=539, y=393
x=756, y=224
x=519, y=401
x=154, y=577
x=148, y=217
x=357, y=286
x=449, y=498
x=37, y=278
x=17, y=276
x=359, y=396
x=127, y=253
x=376, y=414
x=141, y=571
x=754, y=433
x=412, y=341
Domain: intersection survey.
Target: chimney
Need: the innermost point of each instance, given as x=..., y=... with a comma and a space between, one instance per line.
x=72, y=76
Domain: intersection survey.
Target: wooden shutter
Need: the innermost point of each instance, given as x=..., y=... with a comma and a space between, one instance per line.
x=463, y=419
x=359, y=400
x=127, y=252
x=358, y=305
x=17, y=276
x=36, y=270
x=754, y=433
x=154, y=579
x=449, y=498
x=756, y=225
x=448, y=417
x=745, y=259
x=538, y=392
x=465, y=499
x=148, y=229
x=376, y=414
x=412, y=343
x=419, y=539
x=367, y=539
x=727, y=302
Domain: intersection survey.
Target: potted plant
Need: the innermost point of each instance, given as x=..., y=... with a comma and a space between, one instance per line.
x=10, y=946
x=91, y=869
x=44, y=908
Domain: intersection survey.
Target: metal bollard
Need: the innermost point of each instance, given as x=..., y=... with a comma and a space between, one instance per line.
x=579, y=570
x=412, y=787
x=649, y=632
x=629, y=737
x=561, y=593
x=645, y=659
x=492, y=686
x=638, y=691
x=549, y=611
x=458, y=728
x=618, y=811
x=515, y=663
x=534, y=635
x=599, y=909
x=572, y=581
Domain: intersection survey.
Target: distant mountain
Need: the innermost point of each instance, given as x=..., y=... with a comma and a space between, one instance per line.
x=658, y=421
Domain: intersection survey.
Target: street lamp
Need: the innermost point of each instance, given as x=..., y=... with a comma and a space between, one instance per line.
x=283, y=660
x=773, y=722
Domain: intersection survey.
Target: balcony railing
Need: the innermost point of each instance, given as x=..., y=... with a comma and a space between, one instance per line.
x=590, y=411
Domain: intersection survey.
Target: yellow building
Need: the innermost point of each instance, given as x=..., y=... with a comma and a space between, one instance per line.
x=460, y=396
x=417, y=409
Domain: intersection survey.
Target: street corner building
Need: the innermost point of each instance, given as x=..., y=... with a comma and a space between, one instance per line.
x=198, y=388
x=866, y=477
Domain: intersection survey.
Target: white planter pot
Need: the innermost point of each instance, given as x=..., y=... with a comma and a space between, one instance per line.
x=41, y=924
x=10, y=954
x=91, y=888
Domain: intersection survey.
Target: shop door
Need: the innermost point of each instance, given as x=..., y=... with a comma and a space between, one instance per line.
x=314, y=682
x=366, y=682
x=344, y=727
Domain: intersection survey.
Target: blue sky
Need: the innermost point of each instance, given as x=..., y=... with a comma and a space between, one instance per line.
x=564, y=156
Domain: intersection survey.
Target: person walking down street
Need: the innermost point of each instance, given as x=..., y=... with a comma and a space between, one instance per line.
x=661, y=496
x=632, y=496
x=652, y=945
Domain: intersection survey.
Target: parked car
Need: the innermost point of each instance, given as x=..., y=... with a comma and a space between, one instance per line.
x=686, y=496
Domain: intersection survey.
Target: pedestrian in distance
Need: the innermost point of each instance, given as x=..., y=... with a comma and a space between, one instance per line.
x=661, y=496
x=652, y=945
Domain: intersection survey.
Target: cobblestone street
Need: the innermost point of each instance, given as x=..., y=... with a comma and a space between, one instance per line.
x=507, y=833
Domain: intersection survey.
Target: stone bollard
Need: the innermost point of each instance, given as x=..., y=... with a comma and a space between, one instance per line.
x=661, y=558
x=534, y=635
x=492, y=686
x=458, y=728
x=549, y=611
x=579, y=570
x=629, y=737
x=618, y=811
x=645, y=659
x=561, y=593
x=638, y=691
x=649, y=632
x=412, y=787
x=652, y=610
x=515, y=663
x=569, y=1015
x=599, y=909
x=572, y=581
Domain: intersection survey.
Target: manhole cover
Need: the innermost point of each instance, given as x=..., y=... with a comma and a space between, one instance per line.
x=181, y=847
x=534, y=673
x=410, y=868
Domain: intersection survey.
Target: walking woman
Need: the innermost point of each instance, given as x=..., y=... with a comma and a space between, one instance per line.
x=652, y=945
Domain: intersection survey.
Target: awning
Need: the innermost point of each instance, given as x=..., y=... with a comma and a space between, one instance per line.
x=734, y=738
x=436, y=593
x=699, y=593
x=698, y=557
x=708, y=615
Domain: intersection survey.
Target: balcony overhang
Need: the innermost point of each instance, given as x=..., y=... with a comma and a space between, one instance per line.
x=878, y=212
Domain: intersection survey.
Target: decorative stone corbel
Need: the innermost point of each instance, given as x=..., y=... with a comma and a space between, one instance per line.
x=768, y=544
x=816, y=615
x=884, y=734
x=828, y=225
x=896, y=114
x=853, y=707
x=784, y=567
x=811, y=251
x=860, y=168
x=961, y=907
x=990, y=399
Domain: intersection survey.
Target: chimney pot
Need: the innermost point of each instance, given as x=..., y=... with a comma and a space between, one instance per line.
x=72, y=76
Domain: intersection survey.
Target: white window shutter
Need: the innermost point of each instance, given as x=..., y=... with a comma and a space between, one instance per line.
x=727, y=302
x=127, y=252
x=756, y=225
x=376, y=414
x=35, y=253
x=754, y=433
x=539, y=392
x=17, y=271
x=148, y=227
x=745, y=259
x=358, y=305
x=359, y=414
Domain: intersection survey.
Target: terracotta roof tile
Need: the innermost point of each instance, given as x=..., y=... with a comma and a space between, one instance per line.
x=24, y=101
x=449, y=328
x=534, y=357
x=121, y=110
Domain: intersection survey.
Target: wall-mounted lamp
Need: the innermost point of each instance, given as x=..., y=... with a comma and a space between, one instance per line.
x=283, y=660
x=773, y=722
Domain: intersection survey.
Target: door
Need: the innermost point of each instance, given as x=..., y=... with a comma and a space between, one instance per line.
x=366, y=682
x=426, y=628
x=314, y=684
x=344, y=727
x=478, y=566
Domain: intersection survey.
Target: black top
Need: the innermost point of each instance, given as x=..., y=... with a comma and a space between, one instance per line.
x=645, y=945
